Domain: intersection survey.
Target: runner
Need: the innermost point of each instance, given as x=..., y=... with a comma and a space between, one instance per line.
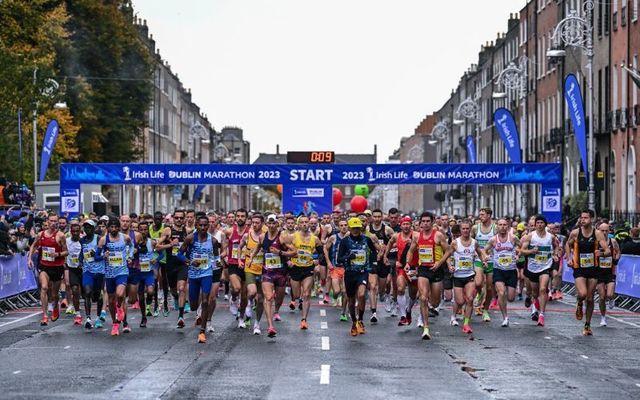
x=301, y=273
x=607, y=278
x=253, y=263
x=380, y=271
x=357, y=253
x=541, y=249
x=430, y=245
x=583, y=252
x=556, y=267
x=219, y=253
x=521, y=264
x=177, y=271
x=392, y=256
x=482, y=232
x=155, y=232
x=143, y=280
x=505, y=253
x=74, y=272
x=464, y=249
x=93, y=271
x=336, y=270
x=51, y=246
x=402, y=241
x=236, y=273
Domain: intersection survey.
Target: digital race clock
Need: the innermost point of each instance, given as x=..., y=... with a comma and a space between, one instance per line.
x=311, y=157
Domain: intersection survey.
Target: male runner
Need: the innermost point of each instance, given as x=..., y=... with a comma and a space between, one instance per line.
x=144, y=280
x=93, y=271
x=583, y=251
x=392, y=305
x=155, y=231
x=72, y=264
x=556, y=267
x=482, y=232
x=236, y=272
x=402, y=242
x=336, y=270
x=190, y=221
x=607, y=278
x=380, y=272
x=253, y=264
x=51, y=245
x=301, y=273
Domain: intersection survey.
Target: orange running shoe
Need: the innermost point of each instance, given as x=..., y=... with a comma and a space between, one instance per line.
x=579, y=311
x=77, y=320
x=44, y=321
x=360, y=328
x=354, y=331
x=202, y=338
x=304, y=325
x=466, y=328
x=56, y=313
x=586, y=331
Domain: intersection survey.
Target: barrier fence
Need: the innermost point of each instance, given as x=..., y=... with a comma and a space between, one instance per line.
x=627, y=281
x=17, y=282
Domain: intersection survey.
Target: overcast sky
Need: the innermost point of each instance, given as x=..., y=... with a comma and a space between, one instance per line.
x=322, y=75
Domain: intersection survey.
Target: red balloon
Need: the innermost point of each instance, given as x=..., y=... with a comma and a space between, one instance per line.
x=337, y=196
x=358, y=204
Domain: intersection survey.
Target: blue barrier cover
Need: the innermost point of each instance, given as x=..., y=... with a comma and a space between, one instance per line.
x=16, y=277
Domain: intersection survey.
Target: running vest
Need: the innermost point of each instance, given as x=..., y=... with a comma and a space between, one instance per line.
x=428, y=252
x=482, y=239
x=172, y=253
x=334, y=250
x=48, y=247
x=258, y=260
x=504, y=254
x=73, y=258
x=272, y=261
x=362, y=260
x=201, y=258
x=233, y=253
x=304, y=257
x=381, y=234
x=584, y=250
x=543, y=259
x=116, y=262
x=463, y=259
x=144, y=260
x=89, y=250
x=155, y=235
x=401, y=244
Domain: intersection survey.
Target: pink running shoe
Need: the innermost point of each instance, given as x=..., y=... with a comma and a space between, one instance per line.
x=276, y=317
x=467, y=328
x=115, y=330
x=120, y=313
x=541, y=320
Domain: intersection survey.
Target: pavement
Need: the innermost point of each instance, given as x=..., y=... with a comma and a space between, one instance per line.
x=388, y=362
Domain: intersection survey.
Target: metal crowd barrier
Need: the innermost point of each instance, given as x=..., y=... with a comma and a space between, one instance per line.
x=18, y=284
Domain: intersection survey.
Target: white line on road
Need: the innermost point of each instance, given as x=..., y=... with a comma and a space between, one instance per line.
x=19, y=319
x=324, y=374
x=323, y=313
x=325, y=343
x=623, y=321
x=585, y=357
x=16, y=372
x=67, y=347
x=548, y=337
x=638, y=384
x=323, y=325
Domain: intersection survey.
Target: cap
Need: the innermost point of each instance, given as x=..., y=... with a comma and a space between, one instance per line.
x=354, y=223
x=406, y=218
x=272, y=218
x=367, y=212
x=104, y=218
x=520, y=227
x=90, y=222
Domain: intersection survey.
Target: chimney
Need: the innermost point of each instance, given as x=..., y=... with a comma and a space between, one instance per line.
x=277, y=149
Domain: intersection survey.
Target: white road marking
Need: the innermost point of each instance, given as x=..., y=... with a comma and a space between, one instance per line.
x=323, y=325
x=323, y=313
x=67, y=347
x=585, y=357
x=325, y=343
x=548, y=337
x=16, y=372
x=623, y=321
x=20, y=319
x=324, y=374
x=638, y=384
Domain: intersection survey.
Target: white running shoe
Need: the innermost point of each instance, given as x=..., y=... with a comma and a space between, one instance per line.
x=505, y=323
x=420, y=323
x=395, y=310
x=256, y=329
x=387, y=304
x=226, y=297
x=248, y=312
x=233, y=308
x=603, y=321
x=241, y=324
x=210, y=327
x=453, y=321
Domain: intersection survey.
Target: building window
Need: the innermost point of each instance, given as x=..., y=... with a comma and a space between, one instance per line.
x=634, y=13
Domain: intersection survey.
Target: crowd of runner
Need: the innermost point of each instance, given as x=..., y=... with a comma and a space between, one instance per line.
x=258, y=262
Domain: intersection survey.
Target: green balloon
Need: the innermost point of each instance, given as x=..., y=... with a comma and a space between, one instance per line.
x=361, y=190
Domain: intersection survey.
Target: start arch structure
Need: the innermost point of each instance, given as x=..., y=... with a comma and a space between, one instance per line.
x=305, y=181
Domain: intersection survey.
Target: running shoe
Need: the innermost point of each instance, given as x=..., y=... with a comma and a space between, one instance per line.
x=63, y=303
x=387, y=304
x=87, y=324
x=136, y=305
x=527, y=302
x=478, y=311
x=156, y=312
x=541, y=320
x=586, y=331
x=180, y=324
x=485, y=316
x=241, y=324
x=300, y=304
x=343, y=317
x=374, y=318
x=409, y=317
x=103, y=315
x=226, y=297
x=292, y=305
x=256, y=329
x=198, y=321
x=115, y=329
x=535, y=316
x=175, y=304
x=271, y=332
x=505, y=323
x=550, y=297
x=77, y=320
x=44, y=321
x=612, y=304
x=579, y=311
x=210, y=327
x=70, y=310
x=120, y=313
x=466, y=328
x=56, y=313
x=403, y=321
x=603, y=321
x=277, y=317
x=425, y=333
x=433, y=312
x=143, y=322
x=304, y=325
x=233, y=308
x=326, y=299
x=494, y=304
x=519, y=296
x=354, y=330
x=202, y=337
x=147, y=310
x=187, y=308
x=420, y=323
x=559, y=295
x=453, y=321
x=165, y=312
x=395, y=310
x=98, y=324
x=360, y=328
x=126, y=328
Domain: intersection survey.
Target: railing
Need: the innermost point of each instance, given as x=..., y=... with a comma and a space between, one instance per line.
x=17, y=283
x=625, y=216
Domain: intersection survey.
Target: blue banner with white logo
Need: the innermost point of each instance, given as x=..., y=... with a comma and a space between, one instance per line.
x=551, y=203
x=628, y=276
x=573, y=97
x=48, y=145
x=306, y=199
x=506, y=126
x=471, y=150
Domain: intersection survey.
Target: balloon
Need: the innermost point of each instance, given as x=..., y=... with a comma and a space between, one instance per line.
x=361, y=190
x=279, y=187
x=358, y=204
x=337, y=196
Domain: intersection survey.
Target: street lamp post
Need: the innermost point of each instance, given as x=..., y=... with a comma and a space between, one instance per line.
x=469, y=109
x=440, y=134
x=197, y=131
x=577, y=31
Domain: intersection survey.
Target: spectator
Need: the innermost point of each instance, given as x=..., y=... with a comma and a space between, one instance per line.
x=631, y=245
x=5, y=245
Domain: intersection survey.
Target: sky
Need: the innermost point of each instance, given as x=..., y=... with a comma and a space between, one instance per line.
x=337, y=75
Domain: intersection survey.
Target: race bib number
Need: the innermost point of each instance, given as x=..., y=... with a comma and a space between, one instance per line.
x=465, y=263
x=541, y=257
x=272, y=261
x=88, y=257
x=116, y=259
x=74, y=261
x=587, y=260
x=200, y=261
x=361, y=258
x=505, y=260
x=606, y=262
x=234, y=250
x=425, y=255
x=48, y=254
x=145, y=266
x=258, y=259
x=176, y=249
x=304, y=257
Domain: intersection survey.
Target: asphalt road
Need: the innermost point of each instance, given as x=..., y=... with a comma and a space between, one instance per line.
x=522, y=361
